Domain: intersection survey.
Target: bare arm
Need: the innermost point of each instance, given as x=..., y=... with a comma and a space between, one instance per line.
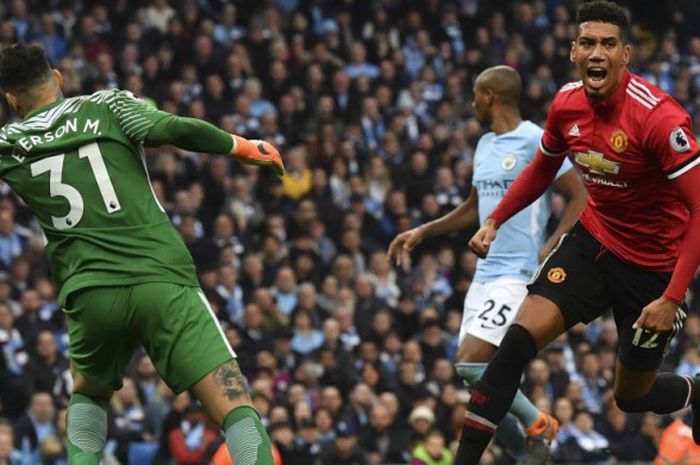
x=570, y=186
x=465, y=215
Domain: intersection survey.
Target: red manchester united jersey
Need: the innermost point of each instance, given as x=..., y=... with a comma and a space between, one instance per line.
x=627, y=147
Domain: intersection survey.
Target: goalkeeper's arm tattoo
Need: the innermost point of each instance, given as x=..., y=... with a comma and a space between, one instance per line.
x=229, y=376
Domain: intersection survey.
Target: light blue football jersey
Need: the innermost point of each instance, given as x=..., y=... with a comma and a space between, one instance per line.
x=498, y=160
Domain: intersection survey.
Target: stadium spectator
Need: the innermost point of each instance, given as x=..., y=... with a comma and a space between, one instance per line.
x=47, y=366
x=190, y=441
x=13, y=238
x=384, y=439
x=344, y=450
x=8, y=454
x=38, y=425
x=129, y=420
x=584, y=445
x=676, y=445
x=432, y=451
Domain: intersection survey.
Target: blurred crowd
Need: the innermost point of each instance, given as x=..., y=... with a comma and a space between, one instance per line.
x=348, y=356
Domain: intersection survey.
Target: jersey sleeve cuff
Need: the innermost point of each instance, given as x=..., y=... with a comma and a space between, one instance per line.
x=674, y=298
x=684, y=167
x=495, y=220
x=551, y=153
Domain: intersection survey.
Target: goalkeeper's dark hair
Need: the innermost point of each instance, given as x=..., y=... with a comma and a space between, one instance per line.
x=604, y=11
x=23, y=66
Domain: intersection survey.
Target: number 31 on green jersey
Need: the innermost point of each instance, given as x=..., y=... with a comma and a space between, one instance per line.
x=54, y=166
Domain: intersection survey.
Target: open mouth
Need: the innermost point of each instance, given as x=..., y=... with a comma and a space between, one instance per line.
x=596, y=74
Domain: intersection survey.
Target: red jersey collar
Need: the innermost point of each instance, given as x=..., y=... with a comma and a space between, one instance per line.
x=616, y=97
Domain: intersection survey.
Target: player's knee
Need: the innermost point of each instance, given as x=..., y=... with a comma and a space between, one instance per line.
x=475, y=350
x=83, y=386
x=632, y=405
x=518, y=346
x=93, y=391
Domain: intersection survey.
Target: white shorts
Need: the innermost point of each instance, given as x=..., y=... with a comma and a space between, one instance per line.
x=490, y=308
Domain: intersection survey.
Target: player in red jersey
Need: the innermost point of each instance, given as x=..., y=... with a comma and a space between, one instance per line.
x=635, y=248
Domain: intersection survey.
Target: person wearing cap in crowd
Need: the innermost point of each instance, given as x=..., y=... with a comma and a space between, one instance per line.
x=421, y=420
x=287, y=358
x=329, y=26
x=344, y=450
x=307, y=447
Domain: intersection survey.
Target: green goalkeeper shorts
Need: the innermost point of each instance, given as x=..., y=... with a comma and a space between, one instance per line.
x=174, y=323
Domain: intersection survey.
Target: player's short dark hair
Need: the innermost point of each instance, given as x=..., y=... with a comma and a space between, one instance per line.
x=604, y=11
x=503, y=81
x=23, y=66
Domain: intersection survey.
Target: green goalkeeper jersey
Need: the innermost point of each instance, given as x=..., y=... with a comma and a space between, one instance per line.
x=79, y=165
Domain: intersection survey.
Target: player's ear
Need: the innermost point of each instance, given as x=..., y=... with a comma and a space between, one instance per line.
x=573, y=51
x=58, y=76
x=11, y=100
x=626, y=54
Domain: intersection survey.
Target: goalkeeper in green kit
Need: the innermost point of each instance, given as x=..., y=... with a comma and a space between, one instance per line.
x=125, y=275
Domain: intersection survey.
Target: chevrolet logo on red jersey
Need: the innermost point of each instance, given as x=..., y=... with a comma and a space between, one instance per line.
x=596, y=163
